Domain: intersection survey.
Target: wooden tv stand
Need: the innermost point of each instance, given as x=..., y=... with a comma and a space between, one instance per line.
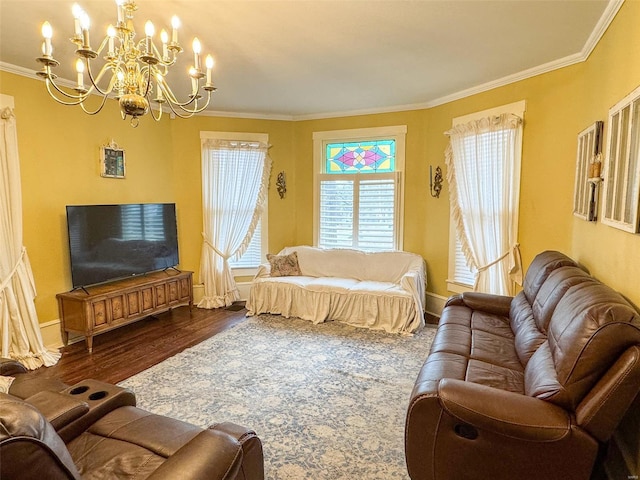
x=100, y=308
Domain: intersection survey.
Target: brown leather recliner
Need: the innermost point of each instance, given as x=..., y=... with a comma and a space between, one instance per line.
x=525, y=387
x=93, y=430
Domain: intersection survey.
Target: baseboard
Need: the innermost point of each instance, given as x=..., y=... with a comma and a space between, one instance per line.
x=50, y=332
x=435, y=304
x=198, y=293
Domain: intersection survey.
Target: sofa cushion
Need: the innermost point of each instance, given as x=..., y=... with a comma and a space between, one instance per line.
x=552, y=290
x=527, y=337
x=541, y=267
x=589, y=329
x=356, y=264
x=284, y=265
x=483, y=345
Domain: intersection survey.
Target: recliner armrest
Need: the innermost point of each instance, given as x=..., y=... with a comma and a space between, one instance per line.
x=10, y=367
x=252, y=456
x=486, y=302
x=504, y=413
x=211, y=454
x=59, y=409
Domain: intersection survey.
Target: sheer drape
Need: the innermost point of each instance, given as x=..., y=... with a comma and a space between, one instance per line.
x=19, y=327
x=235, y=178
x=483, y=172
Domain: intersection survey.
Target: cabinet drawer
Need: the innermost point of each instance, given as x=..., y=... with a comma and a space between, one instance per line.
x=99, y=310
x=161, y=295
x=147, y=299
x=133, y=303
x=118, y=308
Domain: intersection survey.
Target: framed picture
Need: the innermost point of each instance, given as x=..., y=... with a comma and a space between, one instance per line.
x=112, y=162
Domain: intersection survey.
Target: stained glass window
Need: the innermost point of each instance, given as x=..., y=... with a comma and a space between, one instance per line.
x=377, y=156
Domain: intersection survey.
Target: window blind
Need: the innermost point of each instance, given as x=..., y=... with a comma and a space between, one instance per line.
x=462, y=273
x=252, y=257
x=358, y=212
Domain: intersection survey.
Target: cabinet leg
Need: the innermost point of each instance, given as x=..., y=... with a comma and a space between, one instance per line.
x=65, y=337
x=89, y=340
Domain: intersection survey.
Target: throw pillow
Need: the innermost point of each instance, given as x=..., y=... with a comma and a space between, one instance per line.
x=5, y=383
x=284, y=265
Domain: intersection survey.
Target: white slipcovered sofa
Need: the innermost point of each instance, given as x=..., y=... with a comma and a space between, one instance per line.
x=381, y=290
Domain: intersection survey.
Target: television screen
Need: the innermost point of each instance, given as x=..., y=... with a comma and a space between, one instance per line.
x=108, y=242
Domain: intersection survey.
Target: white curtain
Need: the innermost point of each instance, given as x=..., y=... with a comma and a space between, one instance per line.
x=19, y=327
x=235, y=178
x=483, y=171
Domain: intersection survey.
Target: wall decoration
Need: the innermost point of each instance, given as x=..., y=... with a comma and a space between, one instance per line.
x=112, y=162
x=621, y=168
x=281, y=184
x=435, y=184
x=588, y=170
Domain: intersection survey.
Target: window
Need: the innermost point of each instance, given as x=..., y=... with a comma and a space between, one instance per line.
x=358, y=188
x=258, y=247
x=491, y=171
x=622, y=166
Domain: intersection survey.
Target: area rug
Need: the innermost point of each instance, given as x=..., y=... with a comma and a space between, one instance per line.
x=328, y=401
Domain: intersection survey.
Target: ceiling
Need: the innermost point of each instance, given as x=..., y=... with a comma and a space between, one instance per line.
x=310, y=59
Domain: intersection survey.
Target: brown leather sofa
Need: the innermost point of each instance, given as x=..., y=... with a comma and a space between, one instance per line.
x=93, y=430
x=525, y=387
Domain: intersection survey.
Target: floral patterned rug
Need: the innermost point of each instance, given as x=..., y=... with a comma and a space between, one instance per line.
x=328, y=401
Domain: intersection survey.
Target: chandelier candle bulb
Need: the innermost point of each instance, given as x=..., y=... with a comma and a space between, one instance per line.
x=80, y=70
x=76, y=11
x=120, y=11
x=196, y=54
x=164, y=36
x=149, y=30
x=175, y=25
x=85, y=23
x=209, y=62
x=194, y=82
x=111, y=32
x=47, y=33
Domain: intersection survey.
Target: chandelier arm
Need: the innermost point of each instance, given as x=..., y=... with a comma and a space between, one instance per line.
x=153, y=115
x=94, y=81
x=172, y=98
x=177, y=113
x=190, y=112
x=77, y=99
x=84, y=109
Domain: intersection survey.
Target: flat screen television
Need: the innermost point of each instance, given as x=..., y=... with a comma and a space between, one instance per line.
x=109, y=242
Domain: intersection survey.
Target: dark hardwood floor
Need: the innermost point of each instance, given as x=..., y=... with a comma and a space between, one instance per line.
x=130, y=349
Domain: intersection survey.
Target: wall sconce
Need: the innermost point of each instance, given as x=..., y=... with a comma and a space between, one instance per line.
x=281, y=184
x=435, y=184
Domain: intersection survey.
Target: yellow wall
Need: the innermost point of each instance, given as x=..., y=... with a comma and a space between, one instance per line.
x=59, y=160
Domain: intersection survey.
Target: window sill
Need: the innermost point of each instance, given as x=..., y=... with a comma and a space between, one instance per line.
x=244, y=271
x=457, y=287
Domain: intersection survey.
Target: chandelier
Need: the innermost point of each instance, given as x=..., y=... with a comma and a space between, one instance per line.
x=133, y=72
